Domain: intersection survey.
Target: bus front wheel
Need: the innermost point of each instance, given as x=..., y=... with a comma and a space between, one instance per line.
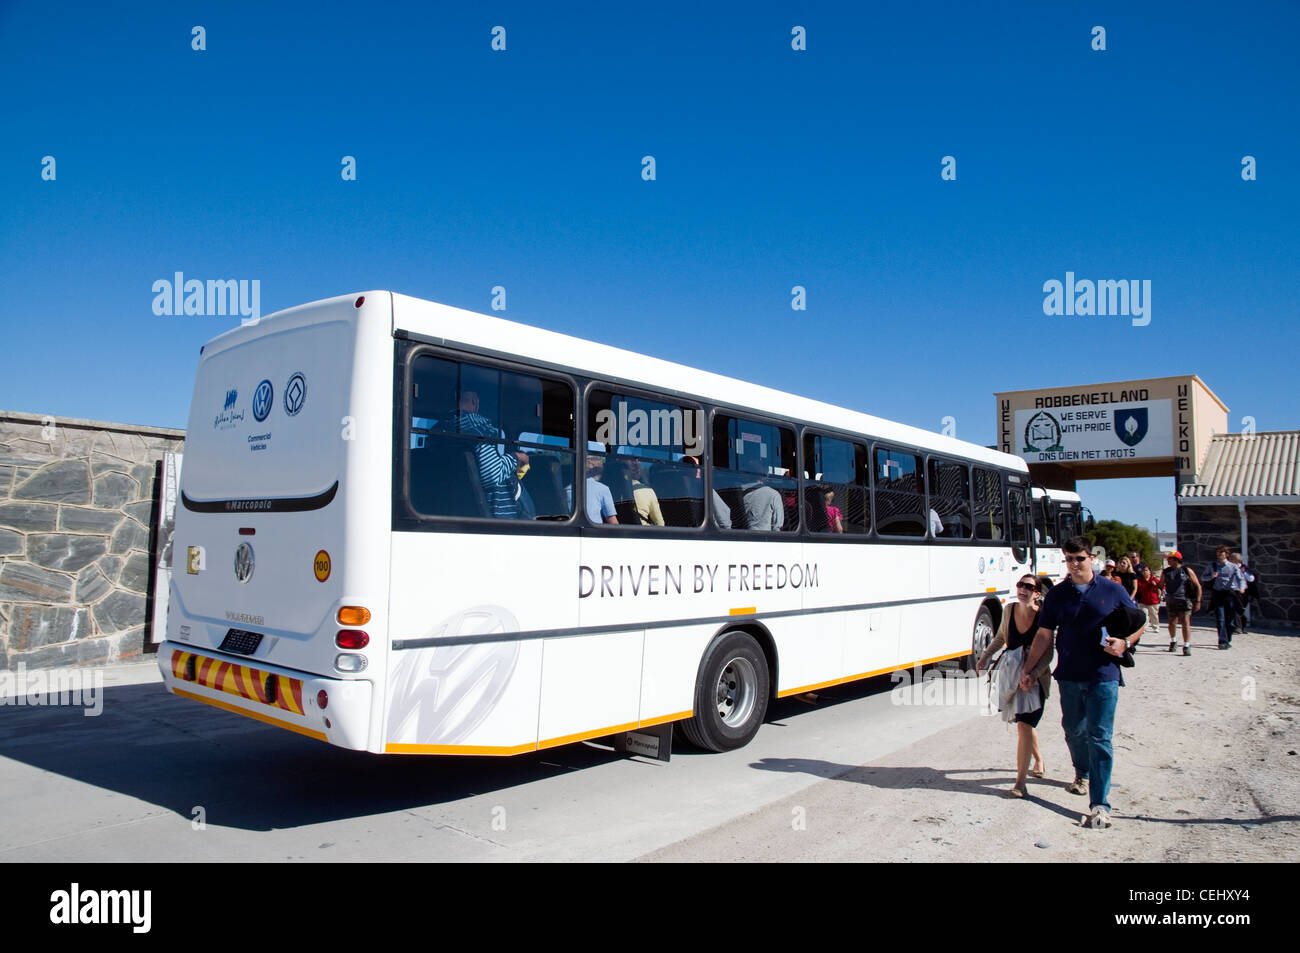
x=730, y=694
x=980, y=638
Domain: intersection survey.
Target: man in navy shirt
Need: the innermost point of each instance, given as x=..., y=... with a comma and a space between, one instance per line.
x=1087, y=670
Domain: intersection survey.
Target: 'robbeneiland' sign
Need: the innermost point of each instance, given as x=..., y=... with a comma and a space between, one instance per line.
x=1122, y=431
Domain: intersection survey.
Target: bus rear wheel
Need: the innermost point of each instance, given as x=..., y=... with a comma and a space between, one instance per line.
x=731, y=694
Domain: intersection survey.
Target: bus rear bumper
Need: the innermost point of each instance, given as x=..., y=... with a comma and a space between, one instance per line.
x=275, y=696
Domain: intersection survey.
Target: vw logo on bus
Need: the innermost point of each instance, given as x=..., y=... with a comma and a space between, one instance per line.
x=263, y=398
x=244, y=562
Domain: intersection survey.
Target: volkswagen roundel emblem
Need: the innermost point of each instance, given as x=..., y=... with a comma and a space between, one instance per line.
x=263, y=399
x=295, y=393
x=244, y=562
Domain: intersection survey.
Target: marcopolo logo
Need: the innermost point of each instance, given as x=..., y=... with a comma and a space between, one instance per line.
x=651, y=428
x=1102, y=297
x=214, y=297
x=93, y=907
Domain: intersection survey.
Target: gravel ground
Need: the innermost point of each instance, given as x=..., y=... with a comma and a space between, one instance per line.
x=1206, y=769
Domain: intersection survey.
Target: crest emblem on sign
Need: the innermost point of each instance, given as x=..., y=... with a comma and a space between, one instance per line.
x=1042, y=434
x=1131, y=425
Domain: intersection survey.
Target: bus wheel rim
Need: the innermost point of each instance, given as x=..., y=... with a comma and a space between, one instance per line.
x=983, y=636
x=737, y=691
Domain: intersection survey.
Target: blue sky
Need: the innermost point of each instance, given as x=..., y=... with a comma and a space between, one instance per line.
x=775, y=168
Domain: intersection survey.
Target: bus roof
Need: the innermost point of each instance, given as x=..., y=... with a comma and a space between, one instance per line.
x=455, y=325
x=480, y=331
x=1067, y=495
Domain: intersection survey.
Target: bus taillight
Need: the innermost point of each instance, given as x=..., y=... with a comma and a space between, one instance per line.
x=350, y=663
x=351, y=639
x=354, y=615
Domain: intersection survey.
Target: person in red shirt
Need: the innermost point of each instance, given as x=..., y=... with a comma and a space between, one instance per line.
x=1148, y=597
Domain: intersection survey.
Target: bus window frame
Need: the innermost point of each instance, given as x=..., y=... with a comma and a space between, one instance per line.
x=817, y=430
x=1023, y=550
x=925, y=537
x=781, y=535
x=970, y=499
x=409, y=345
x=638, y=530
x=409, y=517
x=1002, y=491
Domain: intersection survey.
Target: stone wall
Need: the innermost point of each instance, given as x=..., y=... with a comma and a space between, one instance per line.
x=1275, y=556
x=1274, y=549
x=76, y=538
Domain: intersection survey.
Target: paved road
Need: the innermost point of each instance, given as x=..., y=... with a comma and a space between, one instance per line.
x=125, y=786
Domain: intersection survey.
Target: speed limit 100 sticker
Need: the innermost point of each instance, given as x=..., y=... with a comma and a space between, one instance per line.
x=321, y=566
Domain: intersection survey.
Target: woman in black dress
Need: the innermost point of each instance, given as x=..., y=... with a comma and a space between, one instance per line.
x=1018, y=628
x=1126, y=576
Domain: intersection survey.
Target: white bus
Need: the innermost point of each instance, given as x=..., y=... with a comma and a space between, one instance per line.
x=408, y=528
x=1058, y=515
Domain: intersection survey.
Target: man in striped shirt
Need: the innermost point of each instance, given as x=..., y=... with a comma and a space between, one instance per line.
x=497, y=467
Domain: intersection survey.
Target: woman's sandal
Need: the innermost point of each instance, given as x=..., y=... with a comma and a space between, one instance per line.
x=1039, y=773
x=1016, y=792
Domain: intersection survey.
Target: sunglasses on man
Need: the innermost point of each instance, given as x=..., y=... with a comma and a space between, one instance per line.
x=1077, y=559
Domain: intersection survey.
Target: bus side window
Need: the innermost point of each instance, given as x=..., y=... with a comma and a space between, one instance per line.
x=836, y=490
x=646, y=446
x=988, y=504
x=950, y=498
x=475, y=432
x=754, y=474
x=900, y=495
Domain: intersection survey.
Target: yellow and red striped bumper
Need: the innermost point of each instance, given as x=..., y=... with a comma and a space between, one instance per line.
x=285, y=698
x=243, y=680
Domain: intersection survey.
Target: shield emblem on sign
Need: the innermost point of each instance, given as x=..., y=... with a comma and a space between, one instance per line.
x=1131, y=425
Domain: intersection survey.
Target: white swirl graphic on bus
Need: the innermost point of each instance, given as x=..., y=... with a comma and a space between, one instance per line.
x=442, y=693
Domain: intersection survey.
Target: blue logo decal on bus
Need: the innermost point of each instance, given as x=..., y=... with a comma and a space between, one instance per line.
x=295, y=394
x=263, y=397
x=232, y=395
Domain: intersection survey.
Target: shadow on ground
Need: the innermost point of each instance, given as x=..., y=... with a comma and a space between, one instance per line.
x=177, y=754
x=936, y=779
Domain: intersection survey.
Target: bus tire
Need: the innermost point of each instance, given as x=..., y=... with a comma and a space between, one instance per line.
x=981, y=636
x=731, y=694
